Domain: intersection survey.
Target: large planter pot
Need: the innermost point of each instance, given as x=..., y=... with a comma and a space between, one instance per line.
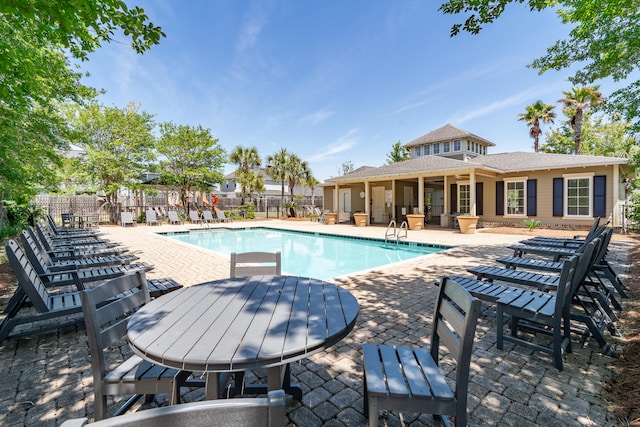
x=361, y=219
x=415, y=221
x=330, y=218
x=468, y=224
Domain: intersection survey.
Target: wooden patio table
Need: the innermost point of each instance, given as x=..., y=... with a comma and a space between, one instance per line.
x=243, y=323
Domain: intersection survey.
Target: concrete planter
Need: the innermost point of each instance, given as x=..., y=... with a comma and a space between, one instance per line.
x=415, y=221
x=361, y=219
x=330, y=218
x=468, y=224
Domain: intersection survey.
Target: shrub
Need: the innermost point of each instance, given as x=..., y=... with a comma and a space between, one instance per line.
x=531, y=224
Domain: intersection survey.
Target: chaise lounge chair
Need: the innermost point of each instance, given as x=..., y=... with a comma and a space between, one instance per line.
x=126, y=219
x=151, y=218
x=174, y=218
x=221, y=216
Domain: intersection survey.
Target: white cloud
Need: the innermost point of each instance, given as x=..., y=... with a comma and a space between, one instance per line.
x=344, y=143
x=254, y=23
x=317, y=117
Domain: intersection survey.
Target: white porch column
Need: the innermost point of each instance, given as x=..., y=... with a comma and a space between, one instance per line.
x=393, y=199
x=421, y=195
x=367, y=196
x=335, y=199
x=472, y=192
x=447, y=205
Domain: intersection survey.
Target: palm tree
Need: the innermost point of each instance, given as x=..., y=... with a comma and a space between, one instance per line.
x=311, y=182
x=576, y=101
x=535, y=113
x=277, y=169
x=297, y=171
x=246, y=158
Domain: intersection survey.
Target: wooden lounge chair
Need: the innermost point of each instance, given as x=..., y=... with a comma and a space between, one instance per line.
x=258, y=412
x=54, y=242
x=207, y=217
x=409, y=379
x=58, y=231
x=194, y=218
x=174, y=218
x=255, y=264
x=576, y=240
x=73, y=252
x=52, y=311
x=106, y=316
x=151, y=217
x=126, y=219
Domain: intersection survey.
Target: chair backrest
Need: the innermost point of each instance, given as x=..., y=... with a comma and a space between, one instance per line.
x=220, y=214
x=39, y=260
x=257, y=411
x=256, y=264
x=151, y=215
x=173, y=216
x=27, y=277
x=66, y=219
x=194, y=216
x=207, y=216
x=454, y=323
x=106, y=317
x=126, y=218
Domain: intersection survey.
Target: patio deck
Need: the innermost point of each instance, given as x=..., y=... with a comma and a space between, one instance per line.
x=47, y=378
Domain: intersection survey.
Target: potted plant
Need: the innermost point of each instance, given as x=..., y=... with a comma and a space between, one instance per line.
x=415, y=221
x=330, y=218
x=361, y=219
x=468, y=223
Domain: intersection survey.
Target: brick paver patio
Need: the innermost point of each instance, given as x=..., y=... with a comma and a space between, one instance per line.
x=47, y=378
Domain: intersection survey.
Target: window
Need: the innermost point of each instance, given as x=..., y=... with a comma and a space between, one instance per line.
x=516, y=197
x=578, y=195
x=464, y=198
x=436, y=148
x=427, y=150
x=417, y=151
x=446, y=147
x=456, y=145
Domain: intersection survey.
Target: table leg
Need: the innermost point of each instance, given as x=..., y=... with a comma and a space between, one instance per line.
x=211, y=391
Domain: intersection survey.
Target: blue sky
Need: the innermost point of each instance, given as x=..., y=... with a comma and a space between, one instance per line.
x=333, y=81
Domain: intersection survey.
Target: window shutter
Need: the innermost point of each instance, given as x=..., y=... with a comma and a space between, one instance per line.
x=479, y=188
x=453, y=198
x=532, y=197
x=558, y=197
x=499, y=197
x=600, y=195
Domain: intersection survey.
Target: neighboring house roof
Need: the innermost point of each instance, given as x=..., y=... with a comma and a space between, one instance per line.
x=497, y=163
x=446, y=133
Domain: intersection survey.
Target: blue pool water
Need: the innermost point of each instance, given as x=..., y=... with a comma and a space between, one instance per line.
x=315, y=255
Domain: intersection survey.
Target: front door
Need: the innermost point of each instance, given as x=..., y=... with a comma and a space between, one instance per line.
x=378, y=213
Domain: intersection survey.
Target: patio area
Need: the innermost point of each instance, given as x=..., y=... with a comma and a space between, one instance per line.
x=47, y=378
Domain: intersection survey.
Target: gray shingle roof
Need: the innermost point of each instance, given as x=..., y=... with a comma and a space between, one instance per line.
x=525, y=161
x=446, y=133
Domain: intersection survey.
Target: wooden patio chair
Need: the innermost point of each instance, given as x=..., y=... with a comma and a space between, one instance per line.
x=256, y=264
x=126, y=219
x=151, y=217
x=194, y=217
x=207, y=217
x=408, y=379
x=259, y=412
x=106, y=317
x=45, y=311
x=222, y=217
x=174, y=218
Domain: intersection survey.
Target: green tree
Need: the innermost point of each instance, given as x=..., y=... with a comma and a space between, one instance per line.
x=398, y=153
x=297, y=171
x=277, y=170
x=119, y=146
x=576, y=101
x=193, y=159
x=535, y=113
x=246, y=158
x=311, y=182
x=603, y=42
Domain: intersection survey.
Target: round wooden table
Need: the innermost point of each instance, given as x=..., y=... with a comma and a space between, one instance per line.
x=243, y=323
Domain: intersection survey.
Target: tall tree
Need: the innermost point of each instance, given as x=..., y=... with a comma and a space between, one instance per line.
x=277, y=169
x=603, y=42
x=398, y=153
x=535, y=113
x=576, y=101
x=297, y=171
x=246, y=158
x=194, y=160
x=119, y=146
x=311, y=182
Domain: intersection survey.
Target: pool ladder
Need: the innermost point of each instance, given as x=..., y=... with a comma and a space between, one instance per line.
x=395, y=233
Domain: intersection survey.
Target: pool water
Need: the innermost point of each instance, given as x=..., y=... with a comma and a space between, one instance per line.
x=317, y=255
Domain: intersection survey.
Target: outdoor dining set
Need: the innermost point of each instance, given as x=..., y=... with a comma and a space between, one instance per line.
x=210, y=334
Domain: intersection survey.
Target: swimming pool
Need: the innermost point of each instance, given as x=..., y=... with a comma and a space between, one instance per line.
x=308, y=254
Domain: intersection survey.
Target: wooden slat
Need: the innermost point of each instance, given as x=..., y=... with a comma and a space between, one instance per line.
x=393, y=372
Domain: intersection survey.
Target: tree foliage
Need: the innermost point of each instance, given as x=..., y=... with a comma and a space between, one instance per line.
x=398, y=153
x=536, y=113
x=193, y=160
x=119, y=146
x=277, y=170
x=604, y=41
x=576, y=101
x=246, y=158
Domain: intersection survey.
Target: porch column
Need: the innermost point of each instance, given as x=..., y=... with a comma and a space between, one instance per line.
x=616, y=215
x=367, y=195
x=472, y=192
x=421, y=195
x=335, y=199
x=447, y=205
x=393, y=199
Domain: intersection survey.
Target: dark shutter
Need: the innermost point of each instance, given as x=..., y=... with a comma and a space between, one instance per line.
x=453, y=198
x=558, y=197
x=532, y=197
x=499, y=197
x=600, y=195
x=479, y=189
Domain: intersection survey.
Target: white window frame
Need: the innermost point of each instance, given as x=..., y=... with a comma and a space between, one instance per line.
x=508, y=181
x=427, y=150
x=457, y=145
x=460, y=184
x=446, y=147
x=417, y=151
x=576, y=176
x=436, y=148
